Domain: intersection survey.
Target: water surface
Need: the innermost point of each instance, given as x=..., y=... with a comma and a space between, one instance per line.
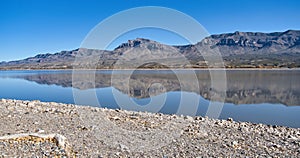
x=260, y=96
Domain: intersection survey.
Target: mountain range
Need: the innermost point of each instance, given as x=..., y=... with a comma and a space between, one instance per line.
x=238, y=50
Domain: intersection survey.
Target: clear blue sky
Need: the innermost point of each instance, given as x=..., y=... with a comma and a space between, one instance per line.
x=29, y=27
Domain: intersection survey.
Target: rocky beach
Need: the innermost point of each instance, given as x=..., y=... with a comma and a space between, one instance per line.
x=48, y=129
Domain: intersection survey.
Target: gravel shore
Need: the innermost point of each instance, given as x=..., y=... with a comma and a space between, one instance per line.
x=40, y=129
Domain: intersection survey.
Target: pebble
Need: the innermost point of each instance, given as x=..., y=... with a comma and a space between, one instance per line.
x=133, y=117
x=40, y=131
x=202, y=135
x=189, y=118
x=123, y=148
x=115, y=118
x=234, y=143
x=199, y=118
x=230, y=119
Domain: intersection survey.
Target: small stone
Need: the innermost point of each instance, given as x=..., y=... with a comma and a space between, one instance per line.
x=134, y=117
x=189, y=118
x=115, y=118
x=199, y=118
x=219, y=122
x=82, y=127
x=36, y=101
x=275, y=146
x=40, y=131
x=230, y=119
x=56, y=110
x=174, y=116
x=9, y=101
x=292, y=137
x=123, y=147
x=95, y=110
x=202, y=134
x=234, y=143
x=31, y=104
x=243, y=124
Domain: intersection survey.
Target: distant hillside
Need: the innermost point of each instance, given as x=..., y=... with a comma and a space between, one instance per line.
x=239, y=50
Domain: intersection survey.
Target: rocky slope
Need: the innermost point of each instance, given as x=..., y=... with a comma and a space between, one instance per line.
x=239, y=49
x=133, y=134
x=255, y=43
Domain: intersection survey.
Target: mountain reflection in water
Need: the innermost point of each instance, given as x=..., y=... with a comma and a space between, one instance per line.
x=243, y=86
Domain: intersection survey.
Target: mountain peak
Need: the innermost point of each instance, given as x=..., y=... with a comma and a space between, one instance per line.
x=141, y=40
x=138, y=42
x=292, y=32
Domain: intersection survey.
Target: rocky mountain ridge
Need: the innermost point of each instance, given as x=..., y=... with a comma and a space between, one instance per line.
x=238, y=49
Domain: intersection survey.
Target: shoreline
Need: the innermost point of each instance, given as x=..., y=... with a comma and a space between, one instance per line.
x=183, y=69
x=93, y=131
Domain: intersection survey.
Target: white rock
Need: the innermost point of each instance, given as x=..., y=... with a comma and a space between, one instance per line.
x=115, y=118
x=31, y=104
x=123, y=147
x=40, y=131
x=189, y=118
x=234, y=143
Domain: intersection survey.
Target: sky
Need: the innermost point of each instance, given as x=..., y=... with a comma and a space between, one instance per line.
x=30, y=27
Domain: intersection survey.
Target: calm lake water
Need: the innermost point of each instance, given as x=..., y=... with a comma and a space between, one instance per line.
x=259, y=96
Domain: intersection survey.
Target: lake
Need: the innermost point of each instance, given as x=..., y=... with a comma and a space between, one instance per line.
x=258, y=96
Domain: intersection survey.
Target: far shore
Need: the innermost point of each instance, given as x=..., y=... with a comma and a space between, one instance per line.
x=162, y=69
